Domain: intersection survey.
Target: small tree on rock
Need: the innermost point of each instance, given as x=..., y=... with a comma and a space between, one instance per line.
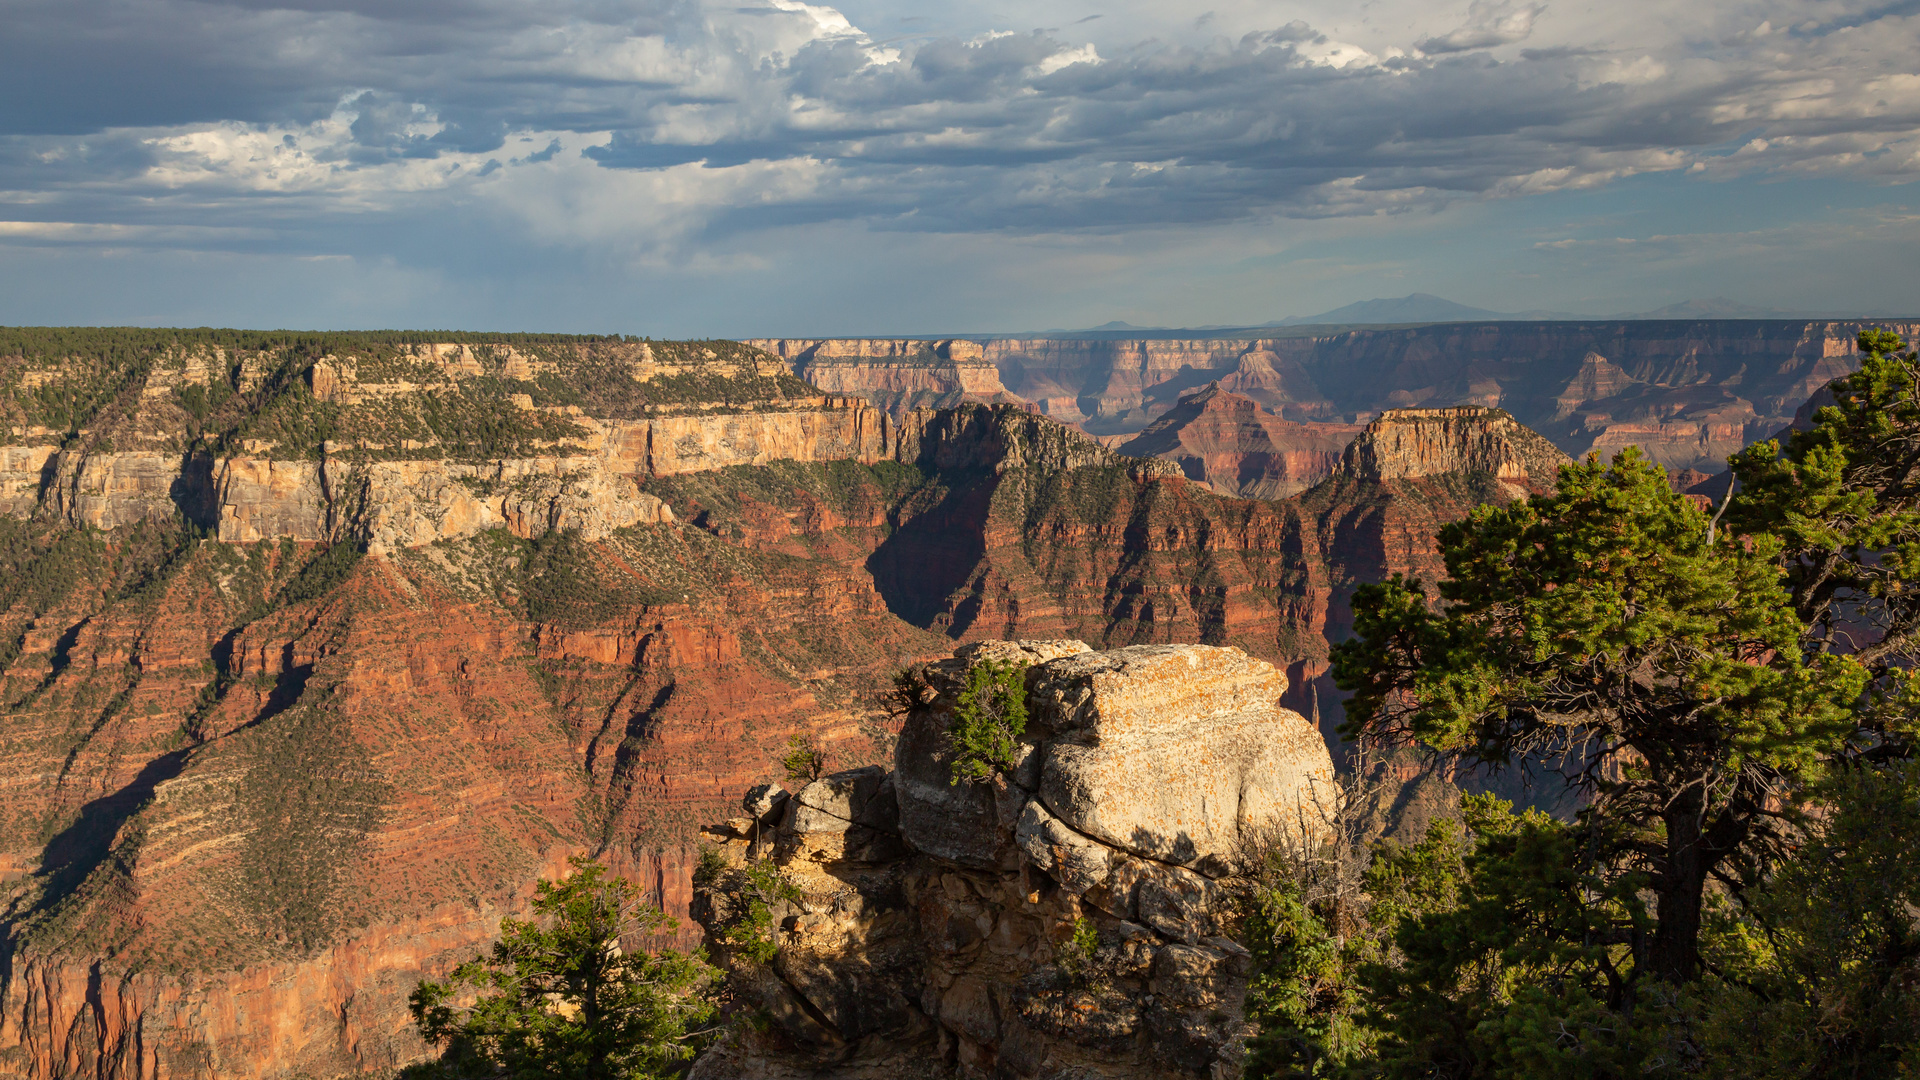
x=989, y=717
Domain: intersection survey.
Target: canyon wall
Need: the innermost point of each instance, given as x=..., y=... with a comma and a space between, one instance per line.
x=313, y=664
x=297, y=710
x=1688, y=392
x=1234, y=446
x=1409, y=444
x=375, y=480
x=897, y=375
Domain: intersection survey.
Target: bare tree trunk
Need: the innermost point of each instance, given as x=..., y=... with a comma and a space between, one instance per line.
x=1680, y=892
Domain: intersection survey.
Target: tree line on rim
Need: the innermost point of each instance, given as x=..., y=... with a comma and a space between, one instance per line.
x=1731, y=695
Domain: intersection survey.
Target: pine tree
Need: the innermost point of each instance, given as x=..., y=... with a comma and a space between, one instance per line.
x=1600, y=626
x=559, y=998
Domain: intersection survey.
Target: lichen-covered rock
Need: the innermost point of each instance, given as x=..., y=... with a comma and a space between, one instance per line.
x=763, y=801
x=847, y=816
x=949, y=821
x=1175, y=752
x=840, y=799
x=1076, y=861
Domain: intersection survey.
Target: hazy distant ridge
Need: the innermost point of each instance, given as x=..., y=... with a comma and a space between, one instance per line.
x=1421, y=308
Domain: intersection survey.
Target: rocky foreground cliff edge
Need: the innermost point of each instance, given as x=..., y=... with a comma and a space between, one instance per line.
x=1071, y=917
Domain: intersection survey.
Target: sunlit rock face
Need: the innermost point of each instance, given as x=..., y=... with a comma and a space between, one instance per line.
x=895, y=374
x=940, y=942
x=1236, y=447
x=299, y=709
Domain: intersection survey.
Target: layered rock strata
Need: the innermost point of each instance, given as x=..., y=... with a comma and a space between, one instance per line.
x=1235, y=447
x=1689, y=392
x=1409, y=444
x=377, y=466
x=450, y=720
x=1068, y=918
x=896, y=375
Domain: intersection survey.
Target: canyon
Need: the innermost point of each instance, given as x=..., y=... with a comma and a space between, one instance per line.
x=898, y=375
x=1688, y=392
x=316, y=653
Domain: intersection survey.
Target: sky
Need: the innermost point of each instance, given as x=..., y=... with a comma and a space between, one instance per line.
x=776, y=168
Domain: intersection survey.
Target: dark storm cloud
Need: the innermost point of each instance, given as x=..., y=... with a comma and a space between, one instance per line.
x=77, y=66
x=246, y=114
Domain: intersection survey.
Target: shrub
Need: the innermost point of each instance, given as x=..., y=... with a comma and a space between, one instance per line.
x=1076, y=956
x=803, y=761
x=988, y=720
x=562, y=999
x=760, y=887
x=712, y=864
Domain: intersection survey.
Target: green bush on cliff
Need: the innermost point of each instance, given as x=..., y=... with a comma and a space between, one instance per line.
x=988, y=720
x=559, y=997
x=1077, y=956
x=759, y=890
x=325, y=573
x=803, y=761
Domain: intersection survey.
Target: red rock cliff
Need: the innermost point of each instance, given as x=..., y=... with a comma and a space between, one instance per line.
x=1689, y=392
x=1235, y=447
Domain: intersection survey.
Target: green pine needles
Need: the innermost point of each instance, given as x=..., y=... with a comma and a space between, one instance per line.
x=761, y=889
x=559, y=997
x=1078, y=955
x=988, y=721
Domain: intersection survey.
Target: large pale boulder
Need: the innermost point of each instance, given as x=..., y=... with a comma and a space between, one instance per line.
x=1178, y=753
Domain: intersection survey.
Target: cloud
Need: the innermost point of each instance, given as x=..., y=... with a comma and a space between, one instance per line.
x=653, y=128
x=1488, y=24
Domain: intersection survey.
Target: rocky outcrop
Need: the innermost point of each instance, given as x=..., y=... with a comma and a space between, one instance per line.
x=1410, y=444
x=1067, y=918
x=591, y=487
x=405, y=504
x=1689, y=392
x=896, y=375
x=1235, y=447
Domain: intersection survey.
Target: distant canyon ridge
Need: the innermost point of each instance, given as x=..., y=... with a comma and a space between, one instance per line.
x=1269, y=417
